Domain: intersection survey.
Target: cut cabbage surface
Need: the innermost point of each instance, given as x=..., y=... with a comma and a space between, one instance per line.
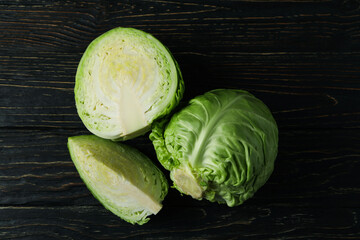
x=125, y=80
x=123, y=179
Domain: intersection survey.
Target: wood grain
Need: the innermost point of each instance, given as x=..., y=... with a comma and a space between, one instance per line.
x=215, y=222
x=36, y=170
x=304, y=90
x=243, y=25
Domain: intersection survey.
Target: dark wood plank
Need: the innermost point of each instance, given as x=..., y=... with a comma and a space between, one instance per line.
x=215, y=222
x=244, y=25
x=304, y=90
x=313, y=168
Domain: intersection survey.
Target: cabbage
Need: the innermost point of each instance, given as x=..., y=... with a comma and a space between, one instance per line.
x=220, y=147
x=123, y=179
x=125, y=80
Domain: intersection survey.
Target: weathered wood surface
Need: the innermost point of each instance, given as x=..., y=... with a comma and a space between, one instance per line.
x=313, y=167
x=304, y=90
x=211, y=222
x=302, y=58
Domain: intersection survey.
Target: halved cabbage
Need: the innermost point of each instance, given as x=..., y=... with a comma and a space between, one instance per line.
x=125, y=80
x=123, y=179
x=221, y=147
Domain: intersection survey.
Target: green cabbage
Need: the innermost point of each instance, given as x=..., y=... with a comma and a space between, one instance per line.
x=125, y=80
x=221, y=147
x=123, y=179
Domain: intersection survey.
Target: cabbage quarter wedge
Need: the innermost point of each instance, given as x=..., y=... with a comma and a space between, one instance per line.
x=125, y=80
x=123, y=179
x=221, y=147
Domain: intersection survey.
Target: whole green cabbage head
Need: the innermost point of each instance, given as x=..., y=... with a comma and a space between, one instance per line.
x=220, y=147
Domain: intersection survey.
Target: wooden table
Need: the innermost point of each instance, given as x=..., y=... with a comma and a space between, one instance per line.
x=301, y=57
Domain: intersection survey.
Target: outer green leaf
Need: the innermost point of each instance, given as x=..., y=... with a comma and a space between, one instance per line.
x=125, y=80
x=123, y=179
x=221, y=147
